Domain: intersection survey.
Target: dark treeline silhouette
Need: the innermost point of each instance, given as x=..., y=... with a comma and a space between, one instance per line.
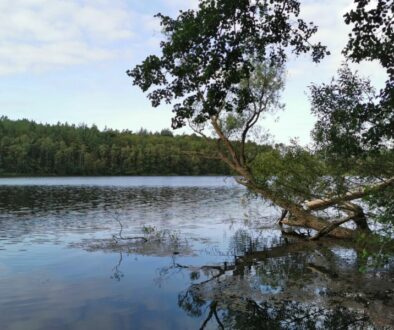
x=29, y=148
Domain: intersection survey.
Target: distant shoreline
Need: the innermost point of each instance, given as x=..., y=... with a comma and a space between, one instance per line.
x=31, y=149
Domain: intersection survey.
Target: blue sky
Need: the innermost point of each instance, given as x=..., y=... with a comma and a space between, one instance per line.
x=66, y=61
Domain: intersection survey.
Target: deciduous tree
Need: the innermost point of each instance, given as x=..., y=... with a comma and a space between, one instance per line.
x=222, y=66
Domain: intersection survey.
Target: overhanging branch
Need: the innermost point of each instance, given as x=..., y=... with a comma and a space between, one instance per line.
x=321, y=204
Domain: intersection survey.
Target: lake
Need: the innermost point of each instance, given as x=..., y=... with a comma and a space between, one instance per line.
x=171, y=253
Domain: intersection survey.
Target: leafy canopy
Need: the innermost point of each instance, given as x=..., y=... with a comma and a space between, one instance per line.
x=355, y=128
x=372, y=38
x=208, y=52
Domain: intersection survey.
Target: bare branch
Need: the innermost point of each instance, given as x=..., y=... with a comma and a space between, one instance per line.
x=196, y=130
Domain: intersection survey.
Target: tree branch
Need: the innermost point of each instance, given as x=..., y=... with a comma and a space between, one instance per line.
x=320, y=204
x=225, y=140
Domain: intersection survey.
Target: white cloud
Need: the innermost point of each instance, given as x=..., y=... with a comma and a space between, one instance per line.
x=182, y=4
x=42, y=34
x=16, y=58
x=332, y=32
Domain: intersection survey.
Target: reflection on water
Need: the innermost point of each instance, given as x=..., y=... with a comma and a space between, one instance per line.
x=60, y=267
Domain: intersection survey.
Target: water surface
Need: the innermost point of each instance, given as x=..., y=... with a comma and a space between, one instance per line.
x=213, y=259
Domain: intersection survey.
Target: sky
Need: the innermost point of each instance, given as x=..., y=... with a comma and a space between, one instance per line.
x=65, y=61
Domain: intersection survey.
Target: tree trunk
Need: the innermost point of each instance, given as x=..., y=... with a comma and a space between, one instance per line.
x=301, y=214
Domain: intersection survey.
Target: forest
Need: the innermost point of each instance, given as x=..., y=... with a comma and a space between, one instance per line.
x=274, y=236
x=29, y=148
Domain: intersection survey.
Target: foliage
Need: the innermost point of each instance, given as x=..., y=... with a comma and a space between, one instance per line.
x=355, y=128
x=291, y=171
x=344, y=130
x=209, y=52
x=341, y=129
x=28, y=148
x=265, y=85
x=372, y=38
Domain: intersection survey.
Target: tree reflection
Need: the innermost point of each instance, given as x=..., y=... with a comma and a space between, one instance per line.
x=117, y=273
x=286, y=284
x=285, y=287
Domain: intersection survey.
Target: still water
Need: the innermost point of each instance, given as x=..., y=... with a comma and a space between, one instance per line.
x=171, y=253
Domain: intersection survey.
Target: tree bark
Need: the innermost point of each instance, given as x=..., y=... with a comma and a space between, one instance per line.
x=321, y=204
x=300, y=217
x=301, y=214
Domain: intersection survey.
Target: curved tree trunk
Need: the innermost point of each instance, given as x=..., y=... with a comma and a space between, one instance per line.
x=301, y=214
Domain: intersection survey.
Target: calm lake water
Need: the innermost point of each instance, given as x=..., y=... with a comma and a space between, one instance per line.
x=171, y=253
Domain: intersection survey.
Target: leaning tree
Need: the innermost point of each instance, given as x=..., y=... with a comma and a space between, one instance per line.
x=222, y=69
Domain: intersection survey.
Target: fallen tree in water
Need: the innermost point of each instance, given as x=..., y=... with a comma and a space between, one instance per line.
x=224, y=63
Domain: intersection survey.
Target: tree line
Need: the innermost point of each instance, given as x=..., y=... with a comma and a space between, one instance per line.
x=30, y=148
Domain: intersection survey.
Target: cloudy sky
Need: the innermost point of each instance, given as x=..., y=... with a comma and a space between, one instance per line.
x=66, y=61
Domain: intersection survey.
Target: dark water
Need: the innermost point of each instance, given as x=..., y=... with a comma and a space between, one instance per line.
x=213, y=259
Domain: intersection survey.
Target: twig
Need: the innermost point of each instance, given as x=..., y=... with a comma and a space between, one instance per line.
x=120, y=237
